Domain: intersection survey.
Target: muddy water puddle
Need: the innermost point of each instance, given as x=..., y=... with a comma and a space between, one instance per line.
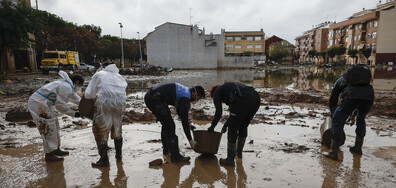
x=275, y=155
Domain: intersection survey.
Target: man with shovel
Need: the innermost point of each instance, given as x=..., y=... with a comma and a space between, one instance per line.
x=158, y=99
x=243, y=102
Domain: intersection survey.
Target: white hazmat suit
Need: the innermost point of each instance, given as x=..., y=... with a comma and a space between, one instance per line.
x=44, y=106
x=108, y=87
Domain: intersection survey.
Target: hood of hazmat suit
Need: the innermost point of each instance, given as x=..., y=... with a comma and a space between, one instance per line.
x=108, y=87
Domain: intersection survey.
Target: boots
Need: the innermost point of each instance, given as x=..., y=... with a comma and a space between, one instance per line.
x=104, y=158
x=173, y=145
x=118, y=148
x=334, y=148
x=357, y=149
x=229, y=161
x=165, y=150
x=51, y=157
x=60, y=152
x=241, y=143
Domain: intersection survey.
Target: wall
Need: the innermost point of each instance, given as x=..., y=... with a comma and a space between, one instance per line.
x=180, y=46
x=239, y=62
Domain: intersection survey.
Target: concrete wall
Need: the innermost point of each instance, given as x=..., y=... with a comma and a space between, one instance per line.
x=386, y=32
x=180, y=46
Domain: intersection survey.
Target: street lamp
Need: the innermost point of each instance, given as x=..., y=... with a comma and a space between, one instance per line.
x=140, y=48
x=122, y=49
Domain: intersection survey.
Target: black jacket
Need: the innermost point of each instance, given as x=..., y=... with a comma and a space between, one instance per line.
x=365, y=92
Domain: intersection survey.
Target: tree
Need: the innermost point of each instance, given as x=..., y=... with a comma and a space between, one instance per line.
x=366, y=52
x=340, y=51
x=323, y=55
x=279, y=52
x=353, y=53
x=331, y=53
x=15, y=26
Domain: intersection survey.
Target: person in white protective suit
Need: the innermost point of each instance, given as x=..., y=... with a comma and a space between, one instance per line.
x=108, y=87
x=46, y=103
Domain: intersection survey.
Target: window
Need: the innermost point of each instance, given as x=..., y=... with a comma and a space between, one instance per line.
x=237, y=38
x=230, y=46
x=375, y=24
x=237, y=46
x=373, y=45
x=257, y=38
x=360, y=27
x=62, y=56
x=374, y=35
x=229, y=38
x=249, y=46
x=249, y=38
x=355, y=37
x=258, y=46
x=356, y=27
x=369, y=24
x=359, y=37
x=368, y=35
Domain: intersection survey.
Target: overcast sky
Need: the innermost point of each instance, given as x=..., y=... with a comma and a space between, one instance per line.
x=285, y=18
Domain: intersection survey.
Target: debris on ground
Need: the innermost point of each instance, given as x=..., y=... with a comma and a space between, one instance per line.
x=18, y=113
x=291, y=148
x=199, y=114
x=156, y=162
x=131, y=116
x=151, y=70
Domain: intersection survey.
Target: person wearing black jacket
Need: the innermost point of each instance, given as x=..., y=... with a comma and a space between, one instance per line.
x=158, y=99
x=355, y=94
x=243, y=102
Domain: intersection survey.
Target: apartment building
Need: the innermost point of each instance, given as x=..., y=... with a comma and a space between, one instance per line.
x=240, y=42
x=272, y=41
x=371, y=28
x=313, y=39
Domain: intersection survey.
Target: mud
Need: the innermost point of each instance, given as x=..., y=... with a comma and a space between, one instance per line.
x=151, y=70
x=283, y=148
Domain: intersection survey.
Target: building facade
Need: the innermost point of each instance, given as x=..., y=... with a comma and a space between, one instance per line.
x=270, y=41
x=372, y=29
x=183, y=46
x=314, y=39
x=245, y=42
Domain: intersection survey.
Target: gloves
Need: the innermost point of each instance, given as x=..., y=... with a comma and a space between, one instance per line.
x=193, y=144
x=211, y=128
x=77, y=114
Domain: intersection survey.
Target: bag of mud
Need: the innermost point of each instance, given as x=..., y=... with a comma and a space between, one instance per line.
x=208, y=142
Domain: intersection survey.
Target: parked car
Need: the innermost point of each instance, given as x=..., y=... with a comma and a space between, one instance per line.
x=96, y=64
x=84, y=66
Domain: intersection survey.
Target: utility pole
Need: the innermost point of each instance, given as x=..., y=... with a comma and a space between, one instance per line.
x=36, y=5
x=140, y=49
x=122, y=49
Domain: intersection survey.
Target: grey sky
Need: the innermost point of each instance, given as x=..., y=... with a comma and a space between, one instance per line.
x=285, y=18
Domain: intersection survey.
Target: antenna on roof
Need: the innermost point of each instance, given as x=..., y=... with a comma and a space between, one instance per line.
x=190, y=16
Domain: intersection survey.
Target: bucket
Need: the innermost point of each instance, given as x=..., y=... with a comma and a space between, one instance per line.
x=208, y=142
x=325, y=132
x=86, y=107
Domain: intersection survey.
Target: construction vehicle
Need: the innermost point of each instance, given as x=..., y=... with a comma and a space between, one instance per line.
x=59, y=60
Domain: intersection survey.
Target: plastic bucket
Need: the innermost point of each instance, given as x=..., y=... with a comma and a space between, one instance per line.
x=86, y=107
x=208, y=142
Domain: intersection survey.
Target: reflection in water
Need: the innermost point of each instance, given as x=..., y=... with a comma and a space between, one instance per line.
x=119, y=181
x=301, y=78
x=171, y=173
x=55, y=177
x=206, y=172
x=331, y=170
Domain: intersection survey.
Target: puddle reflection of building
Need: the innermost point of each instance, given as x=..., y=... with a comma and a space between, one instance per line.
x=207, y=172
x=56, y=175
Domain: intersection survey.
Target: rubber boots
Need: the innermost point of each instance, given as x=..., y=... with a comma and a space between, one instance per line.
x=60, y=152
x=241, y=143
x=334, y=148
x=173, y=145
x=165, y=150
x=51, y=157
x=357, y=149
x=104, y=158
x=229, y=161
x=118, y=148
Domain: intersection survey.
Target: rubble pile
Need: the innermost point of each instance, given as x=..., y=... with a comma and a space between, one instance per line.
x=132, y=116
x=18, y=113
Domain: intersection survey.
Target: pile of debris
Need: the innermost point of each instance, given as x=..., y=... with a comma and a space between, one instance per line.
x=151, y=70
x=18, y=113
x=132, y=116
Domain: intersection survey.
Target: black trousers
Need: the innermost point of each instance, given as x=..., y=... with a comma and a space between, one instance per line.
x=241, y=113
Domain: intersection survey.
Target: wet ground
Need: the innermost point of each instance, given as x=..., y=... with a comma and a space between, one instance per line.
x=283, y=146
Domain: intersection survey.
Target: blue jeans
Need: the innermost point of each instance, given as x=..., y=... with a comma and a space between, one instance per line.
x=342, y=113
